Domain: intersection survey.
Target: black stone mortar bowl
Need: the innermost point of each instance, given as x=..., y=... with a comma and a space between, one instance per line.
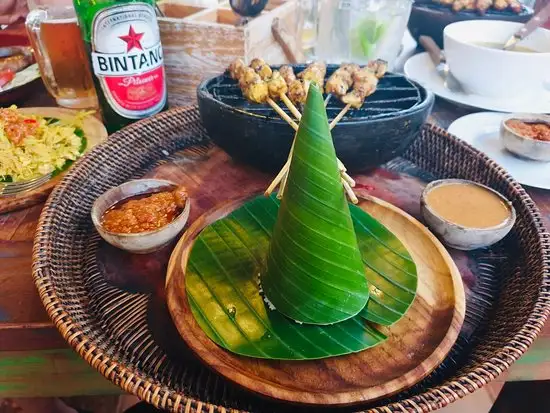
x=383, y=128
x=429, y=19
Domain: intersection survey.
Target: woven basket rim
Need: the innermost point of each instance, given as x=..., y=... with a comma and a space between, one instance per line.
x=161, y=396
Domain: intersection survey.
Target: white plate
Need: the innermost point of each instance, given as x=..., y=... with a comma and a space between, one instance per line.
x=22, y=77
x=481, y=130
x=421, y=68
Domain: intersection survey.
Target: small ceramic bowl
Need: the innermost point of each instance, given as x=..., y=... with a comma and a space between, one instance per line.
x=143, y=242
x=458, y=236
x=524, y=146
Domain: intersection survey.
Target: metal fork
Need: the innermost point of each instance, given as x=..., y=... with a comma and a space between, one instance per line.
x=14, y=188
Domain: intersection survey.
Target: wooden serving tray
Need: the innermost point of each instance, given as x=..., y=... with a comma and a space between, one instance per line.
x=95, y=133
x=416, y=344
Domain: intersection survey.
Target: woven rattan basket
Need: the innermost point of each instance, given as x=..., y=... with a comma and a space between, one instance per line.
x=109, y=328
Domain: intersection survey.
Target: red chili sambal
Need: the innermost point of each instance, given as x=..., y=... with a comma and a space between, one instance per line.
x=539, y=131
x=144, y=212
x=16, y=126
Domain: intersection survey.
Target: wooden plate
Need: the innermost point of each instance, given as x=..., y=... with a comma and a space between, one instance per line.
x=94, y=131
x=415, y=346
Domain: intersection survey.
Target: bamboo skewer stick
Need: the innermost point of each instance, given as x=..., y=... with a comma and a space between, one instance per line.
x=282, y=187
x=286, y=167
x=293, y=109
x=277, y=179
x=283, y=173
x=348, y=179
x=298, y=116
x=349, y=191
x=339, y=117
x=282, y=176
x=282, y=113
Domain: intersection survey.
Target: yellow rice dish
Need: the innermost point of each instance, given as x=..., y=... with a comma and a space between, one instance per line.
x=33, y=146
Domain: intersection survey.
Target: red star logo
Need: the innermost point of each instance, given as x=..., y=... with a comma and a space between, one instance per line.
x=132, y=39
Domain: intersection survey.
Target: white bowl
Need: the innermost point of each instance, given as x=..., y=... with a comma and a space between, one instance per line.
x=459, y=236
x=142, y=242
x=525, y=146
x=496, y=73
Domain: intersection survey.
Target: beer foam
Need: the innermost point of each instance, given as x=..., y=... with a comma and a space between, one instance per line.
x=60, y=21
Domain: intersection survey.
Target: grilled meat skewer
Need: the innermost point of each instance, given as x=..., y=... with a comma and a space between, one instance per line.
x=339, y=82
x=315, y=72
x=483, y=5
x=256, y=63
x=379, y=67
x=287, y=72
x=235, y=68
x=276, y=85
x=365, y=82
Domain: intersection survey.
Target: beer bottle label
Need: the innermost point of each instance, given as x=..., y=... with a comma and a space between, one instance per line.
x=127, y=59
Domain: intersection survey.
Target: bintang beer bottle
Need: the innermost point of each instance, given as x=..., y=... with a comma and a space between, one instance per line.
x=123, y=41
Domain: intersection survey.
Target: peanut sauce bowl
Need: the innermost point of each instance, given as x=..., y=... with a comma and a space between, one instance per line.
x=460, y=236
x=141, y=242
x=382, y=129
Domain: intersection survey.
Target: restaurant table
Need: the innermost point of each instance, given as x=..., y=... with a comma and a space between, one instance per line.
x=36, y=362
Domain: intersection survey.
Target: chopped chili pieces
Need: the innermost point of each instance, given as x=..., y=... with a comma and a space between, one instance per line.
x=145, y=213
x=16, y=126
x=539, y=131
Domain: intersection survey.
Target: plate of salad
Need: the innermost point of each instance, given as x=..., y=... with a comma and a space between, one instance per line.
x=39, y=144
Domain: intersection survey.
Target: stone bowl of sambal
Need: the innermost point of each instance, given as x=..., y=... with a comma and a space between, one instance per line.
x=141, y=216
x=527, y=136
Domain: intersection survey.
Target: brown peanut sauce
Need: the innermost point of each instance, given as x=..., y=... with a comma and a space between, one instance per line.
x=468, y=205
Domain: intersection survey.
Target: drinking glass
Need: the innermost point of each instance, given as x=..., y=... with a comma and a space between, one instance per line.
x=308, y=26
x=55, y=38
x=361, y=30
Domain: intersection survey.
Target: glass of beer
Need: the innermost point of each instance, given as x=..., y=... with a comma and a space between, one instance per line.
x=55, y=38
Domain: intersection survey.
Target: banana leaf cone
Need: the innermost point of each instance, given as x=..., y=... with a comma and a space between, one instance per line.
x=314, y=273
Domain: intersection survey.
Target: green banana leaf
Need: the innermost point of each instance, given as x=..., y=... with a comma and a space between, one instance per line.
x=390, y=270
x=314, y=271
x=222, y=288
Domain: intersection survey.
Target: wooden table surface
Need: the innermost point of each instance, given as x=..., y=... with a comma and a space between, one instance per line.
x=34, y=359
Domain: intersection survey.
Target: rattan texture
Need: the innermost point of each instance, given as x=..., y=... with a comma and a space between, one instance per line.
x=109, y=328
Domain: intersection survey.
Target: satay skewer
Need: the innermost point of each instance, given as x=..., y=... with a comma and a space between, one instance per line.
x=259, y=86
x=349, y=191
x=256, y=88
x=341, y=166
x=282, y=113
x=282, y=177
x=339, y=117
x=365, y=81
x=283, y=174
x=293, y=109
x=340, y=81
